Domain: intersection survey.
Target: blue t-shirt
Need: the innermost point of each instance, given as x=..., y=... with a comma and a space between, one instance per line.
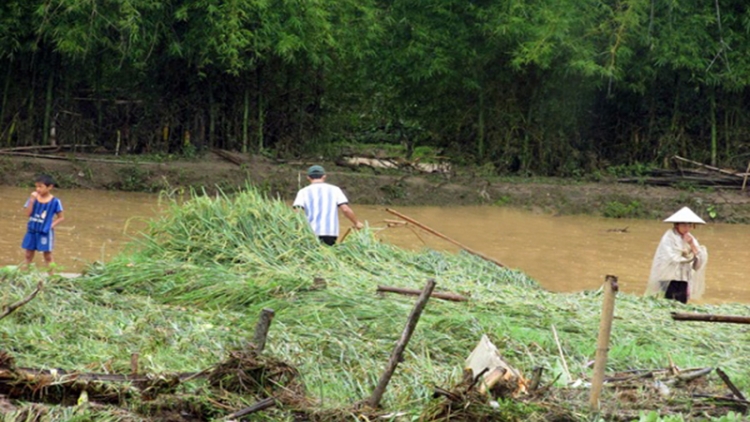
x=42, y=215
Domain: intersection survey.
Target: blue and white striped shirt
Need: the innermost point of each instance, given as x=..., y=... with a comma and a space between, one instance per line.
x=42, y=215
x=321, y=202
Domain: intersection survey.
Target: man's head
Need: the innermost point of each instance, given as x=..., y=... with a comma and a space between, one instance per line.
x=316, y=172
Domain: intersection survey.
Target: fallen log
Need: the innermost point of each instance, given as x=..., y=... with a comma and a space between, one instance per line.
x=444, y=237
x=414, y=292
x=46, y=147
x=678, y=316
x=73, y=158
x=228, y=156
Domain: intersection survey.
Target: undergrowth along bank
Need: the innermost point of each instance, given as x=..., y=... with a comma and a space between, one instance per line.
x=190, y=288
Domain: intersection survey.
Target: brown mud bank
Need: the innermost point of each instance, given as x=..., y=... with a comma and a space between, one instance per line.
x=388, y=187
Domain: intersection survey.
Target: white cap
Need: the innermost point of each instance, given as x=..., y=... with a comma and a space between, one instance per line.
x=685, y=215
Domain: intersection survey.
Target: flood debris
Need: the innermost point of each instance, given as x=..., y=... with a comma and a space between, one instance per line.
x=7, y=310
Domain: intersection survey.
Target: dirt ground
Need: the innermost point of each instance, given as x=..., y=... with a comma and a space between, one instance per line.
x=382, y=187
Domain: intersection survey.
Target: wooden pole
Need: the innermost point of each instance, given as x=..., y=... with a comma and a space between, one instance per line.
x=398, y=351
x=134, y=363
x=414, y=292
x=747, y=173
x=602, y=344
x=706, y=166
x=444, y=237
x=677, y=316
x=736, y=391
x=261, y=329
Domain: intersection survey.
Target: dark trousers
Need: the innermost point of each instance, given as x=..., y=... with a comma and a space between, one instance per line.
x=328, y=240
x=677, y=290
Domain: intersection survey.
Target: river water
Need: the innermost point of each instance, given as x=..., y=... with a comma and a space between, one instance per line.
x=567, y=253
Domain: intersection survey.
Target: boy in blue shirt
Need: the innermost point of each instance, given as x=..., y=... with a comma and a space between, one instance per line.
x=45, y=212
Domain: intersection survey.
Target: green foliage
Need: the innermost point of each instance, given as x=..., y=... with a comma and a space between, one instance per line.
x=133, y=179
x=631, y=170
x=549, y=87
x=617, y=209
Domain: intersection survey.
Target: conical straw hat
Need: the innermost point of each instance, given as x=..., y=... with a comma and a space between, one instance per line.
x=685, y=215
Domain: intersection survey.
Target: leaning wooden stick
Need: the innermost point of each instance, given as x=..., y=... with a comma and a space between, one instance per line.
x=736, y=391
x=349, y=230
x=677, y=316
x=744, y=180
x=398, y=351
x=602, y=344
x=414, y=292
x=444, y=237
x=12, y=307
x=706, y=166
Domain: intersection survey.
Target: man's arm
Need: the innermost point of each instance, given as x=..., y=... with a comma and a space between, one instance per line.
x=349, y=213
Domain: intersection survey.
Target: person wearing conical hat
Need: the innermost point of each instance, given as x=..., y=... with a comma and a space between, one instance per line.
x=679, y=267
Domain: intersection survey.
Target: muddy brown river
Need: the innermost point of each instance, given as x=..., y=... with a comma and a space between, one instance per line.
x=564, y=254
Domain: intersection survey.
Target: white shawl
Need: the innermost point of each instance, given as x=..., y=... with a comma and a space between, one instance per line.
x=674, y=260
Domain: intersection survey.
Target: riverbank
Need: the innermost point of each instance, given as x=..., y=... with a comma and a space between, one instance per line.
x=463, y=186
x=178, y=313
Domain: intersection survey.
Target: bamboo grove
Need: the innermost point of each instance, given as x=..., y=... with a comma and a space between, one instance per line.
x=552, y=87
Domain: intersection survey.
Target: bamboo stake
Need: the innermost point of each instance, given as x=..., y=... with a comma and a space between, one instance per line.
x=747, y=173
x=414, y=292
x=261, y=329
x=677, y=316
x=562, y=355
x=398, y=351
x=134, y=363
x=444, y=237
x=602, y=344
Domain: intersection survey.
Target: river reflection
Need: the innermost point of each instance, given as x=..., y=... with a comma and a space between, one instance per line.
x=564, y=254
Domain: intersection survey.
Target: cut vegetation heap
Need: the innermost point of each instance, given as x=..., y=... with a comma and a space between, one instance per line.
x=186, y=295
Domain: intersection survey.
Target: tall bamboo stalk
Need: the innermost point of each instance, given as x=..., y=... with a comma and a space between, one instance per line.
x=245, y=119
x=48, y=106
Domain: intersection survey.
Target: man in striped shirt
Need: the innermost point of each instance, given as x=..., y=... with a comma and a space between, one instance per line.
x=321, y=202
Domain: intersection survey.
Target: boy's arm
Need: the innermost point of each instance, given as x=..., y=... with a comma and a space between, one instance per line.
x=30, y=203
x=59, y=217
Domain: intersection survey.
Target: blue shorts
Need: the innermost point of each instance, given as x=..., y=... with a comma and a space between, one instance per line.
x=42, y=242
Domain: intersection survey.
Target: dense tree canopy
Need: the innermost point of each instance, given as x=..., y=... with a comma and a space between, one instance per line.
x=533, y=87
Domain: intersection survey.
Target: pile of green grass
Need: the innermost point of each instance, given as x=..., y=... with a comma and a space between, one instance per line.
x=189, y=290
